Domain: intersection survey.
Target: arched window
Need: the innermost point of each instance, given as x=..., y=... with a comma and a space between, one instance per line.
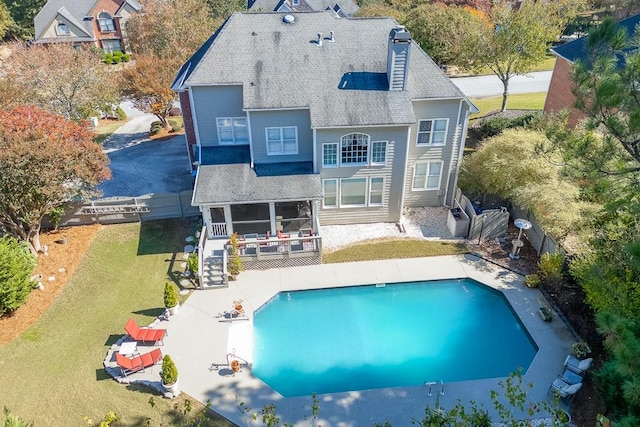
x=354, y=149
x=106, y=22
x=62, y=29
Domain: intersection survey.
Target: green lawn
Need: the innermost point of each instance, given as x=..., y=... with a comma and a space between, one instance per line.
x=104, y=131
x=392, y=249
x=53, y=373
x=520, y=101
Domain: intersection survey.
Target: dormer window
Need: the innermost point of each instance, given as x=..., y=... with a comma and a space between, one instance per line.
x=106, y=22
x=62, y=29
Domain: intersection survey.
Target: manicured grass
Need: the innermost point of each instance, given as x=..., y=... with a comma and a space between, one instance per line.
x=519, y=101
x=391, y=249
x=53, y=373
x=105, y=130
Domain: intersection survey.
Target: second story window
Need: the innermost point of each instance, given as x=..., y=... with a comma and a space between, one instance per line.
x=62, y=29
x=282, y=140
x=432, y=132
x=355, y=149
x=378, y=152
x=330, y=155
x=106, y=22
x=232, y=131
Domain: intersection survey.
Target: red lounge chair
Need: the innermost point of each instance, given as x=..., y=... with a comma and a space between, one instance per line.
x=144, y=334
x=137, y=363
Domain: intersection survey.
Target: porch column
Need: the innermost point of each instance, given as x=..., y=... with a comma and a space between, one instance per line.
x=228, y=219
x=314, y=216
x=272, y=218
x=206, y=217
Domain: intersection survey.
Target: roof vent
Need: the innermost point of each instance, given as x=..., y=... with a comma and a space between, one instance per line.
x=288, y=19
x=319, y=41
x=330, y=38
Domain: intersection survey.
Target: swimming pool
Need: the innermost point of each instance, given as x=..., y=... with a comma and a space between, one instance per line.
x=394, y=335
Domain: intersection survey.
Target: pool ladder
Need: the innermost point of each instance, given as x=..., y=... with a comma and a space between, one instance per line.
x=432, y=383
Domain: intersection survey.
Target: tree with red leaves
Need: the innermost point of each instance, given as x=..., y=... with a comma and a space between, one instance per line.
x=45, y=162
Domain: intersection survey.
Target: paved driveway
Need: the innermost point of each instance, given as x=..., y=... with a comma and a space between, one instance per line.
x=141, y=166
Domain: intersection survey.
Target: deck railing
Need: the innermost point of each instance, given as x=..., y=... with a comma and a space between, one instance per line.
x=278, y=248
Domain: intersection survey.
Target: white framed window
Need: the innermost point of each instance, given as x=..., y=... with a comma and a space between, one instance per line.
x=376, y=188
x=62, y=29
x=427, y=176
x=330, y=155
x=282, y=140
x=354, y=149
x=432, y=131
x=110, y=46
x=105, y=22
x=379, y=152
x=353, y=192
x=232, y=130
x=330, y=193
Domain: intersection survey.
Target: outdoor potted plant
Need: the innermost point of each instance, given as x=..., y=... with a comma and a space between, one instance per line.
x=192, y=263
x=234, y=265
x=545, y=313
x=171, y=298
x=169, y=375
x=580, y=349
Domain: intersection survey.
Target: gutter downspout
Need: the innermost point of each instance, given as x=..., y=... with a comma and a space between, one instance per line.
x=453, y=152
x=404, y=174
x=460, y=155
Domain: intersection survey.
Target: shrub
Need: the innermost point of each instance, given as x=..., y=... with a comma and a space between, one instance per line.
x=16, y=266
x=108, y=58
x=532, y=280
x=550, y=266
x=117, y=54
x=192, y=262
x=117, y=59
x=170, y=295
x=493, y=126
x=169, y=373
x=580, y=349
x=155, y=127
x=172, y=122
x=120, y=114
x=126, y=57
x=175, y=128
x=234, y=265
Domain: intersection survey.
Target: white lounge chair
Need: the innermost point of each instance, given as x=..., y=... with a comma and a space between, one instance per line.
x=576, y=365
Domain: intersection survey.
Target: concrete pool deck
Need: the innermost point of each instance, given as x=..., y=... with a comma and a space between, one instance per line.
x=199, y=339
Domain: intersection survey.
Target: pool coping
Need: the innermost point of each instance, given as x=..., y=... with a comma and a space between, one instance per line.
x=199, y=341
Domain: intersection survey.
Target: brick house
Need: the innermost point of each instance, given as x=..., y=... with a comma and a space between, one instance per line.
x=99, y=23
x=560, y=95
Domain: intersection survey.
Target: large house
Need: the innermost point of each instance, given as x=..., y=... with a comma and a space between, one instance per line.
x=299, y=120
x=97, y=23
x=560, y=95
x=343, y=8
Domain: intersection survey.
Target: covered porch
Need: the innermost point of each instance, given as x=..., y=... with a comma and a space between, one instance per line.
x=274, y=215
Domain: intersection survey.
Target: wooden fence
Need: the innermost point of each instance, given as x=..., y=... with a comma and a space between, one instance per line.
x=541, y=242
x=491, y=223
x=115, y=210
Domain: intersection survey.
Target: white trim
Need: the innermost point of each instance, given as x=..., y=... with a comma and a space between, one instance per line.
x=426, y=177
x=406, y=167
x=281, y=130
x=302, y=107
x=371, y=162
x=196, y=130
x=337, y=145
x=337, y=194
x=232, y=118
x=386, y=125
x=250, y=140
x=340, y=148
x=463, y=138
x=453, y=147
x=431, y=132
x=381, y=193
x=315, y=150
x=366, y=192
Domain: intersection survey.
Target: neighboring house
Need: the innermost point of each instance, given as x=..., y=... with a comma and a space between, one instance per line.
x=301, y=120
x=93, y=22
x=343, y=8
x=560, y=95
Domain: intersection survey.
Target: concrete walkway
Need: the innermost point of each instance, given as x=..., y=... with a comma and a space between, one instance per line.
x=199, y=340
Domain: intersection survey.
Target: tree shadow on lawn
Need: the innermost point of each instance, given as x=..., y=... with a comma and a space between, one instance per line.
x=164, y=236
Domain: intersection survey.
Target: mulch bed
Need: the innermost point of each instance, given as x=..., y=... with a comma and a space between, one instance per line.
x=569, y=298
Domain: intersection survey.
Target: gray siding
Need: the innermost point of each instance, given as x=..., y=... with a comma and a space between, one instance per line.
x=392, y=172
x=210, y=102
x=445, y=109
x=260, y=120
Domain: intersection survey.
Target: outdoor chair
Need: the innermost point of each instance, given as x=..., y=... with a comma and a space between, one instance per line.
x=144, y=334
x=563, y=389
x=137, y=363
x=576, y=365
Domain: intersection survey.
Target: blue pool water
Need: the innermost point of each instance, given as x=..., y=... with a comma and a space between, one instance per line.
x=366, y=337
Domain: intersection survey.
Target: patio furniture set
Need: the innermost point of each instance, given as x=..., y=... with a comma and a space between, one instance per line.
x=128, y=358
x=248, y=243
x=570, y=382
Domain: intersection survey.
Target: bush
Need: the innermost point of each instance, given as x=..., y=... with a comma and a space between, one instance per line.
x=126, y=57
x=550, y=266
x=117, y=54
x=155, y=127
x=120, y=114
x=493, y=126
x=532, y=280
x=580, y=349
x=170, y=295
x=117, y=59
x=172, y=122
x=108, y=58
x=16, y=266
x=175, y=128
x=169, y=374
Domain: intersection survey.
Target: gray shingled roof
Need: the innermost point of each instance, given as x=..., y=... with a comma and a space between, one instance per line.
x=239, y=183
x=280, y=65
x=78, y=9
